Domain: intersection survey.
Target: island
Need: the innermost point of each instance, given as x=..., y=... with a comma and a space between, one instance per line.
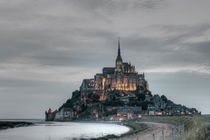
x=118, y=93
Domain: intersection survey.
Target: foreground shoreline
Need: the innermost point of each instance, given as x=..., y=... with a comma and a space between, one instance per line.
x=190, y=127
x=13, y=124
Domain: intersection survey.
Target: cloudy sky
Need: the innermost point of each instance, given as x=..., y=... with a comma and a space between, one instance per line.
x=48, y=46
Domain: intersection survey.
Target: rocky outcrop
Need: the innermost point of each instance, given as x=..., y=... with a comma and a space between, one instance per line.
x=117, y=102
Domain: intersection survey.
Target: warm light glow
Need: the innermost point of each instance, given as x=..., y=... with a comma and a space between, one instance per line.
x=102, y=97
x=139, y=116
x=121, y=87
x=111, y=118
x=118, y=114
x=118, y=84
x=121, y=119
x=125, y=115
x=158, y=113
x=103, y=83
x=183, y=113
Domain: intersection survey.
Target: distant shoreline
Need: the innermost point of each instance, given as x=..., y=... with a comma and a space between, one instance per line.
x=13, y=124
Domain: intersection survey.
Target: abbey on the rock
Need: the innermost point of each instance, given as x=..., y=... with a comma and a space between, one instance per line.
x=122, y=77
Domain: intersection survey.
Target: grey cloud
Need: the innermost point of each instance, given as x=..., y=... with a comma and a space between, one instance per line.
x=119, y=5
x=202, y=47
x=171, y=50
x=43, y=44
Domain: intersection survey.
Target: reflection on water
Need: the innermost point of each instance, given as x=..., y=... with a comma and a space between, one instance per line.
x=62, y=131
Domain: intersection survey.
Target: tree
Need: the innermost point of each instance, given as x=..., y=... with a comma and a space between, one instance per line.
x=95, y=97
x=164, y=98
x=75, y=94
x=145, y=105
x=141, y=97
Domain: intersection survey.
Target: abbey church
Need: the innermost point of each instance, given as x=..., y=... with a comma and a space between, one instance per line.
x=122, y=77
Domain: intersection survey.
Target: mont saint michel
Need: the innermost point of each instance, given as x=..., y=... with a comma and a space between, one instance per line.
x=118, y=93
x=104, y=70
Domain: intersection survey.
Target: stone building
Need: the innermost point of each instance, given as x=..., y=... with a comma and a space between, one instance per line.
x=122, y=77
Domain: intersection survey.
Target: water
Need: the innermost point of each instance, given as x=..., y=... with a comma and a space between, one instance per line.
x=62, y=131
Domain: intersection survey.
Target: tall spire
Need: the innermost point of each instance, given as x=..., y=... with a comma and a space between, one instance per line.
x=119, y=53
x=119, y=58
